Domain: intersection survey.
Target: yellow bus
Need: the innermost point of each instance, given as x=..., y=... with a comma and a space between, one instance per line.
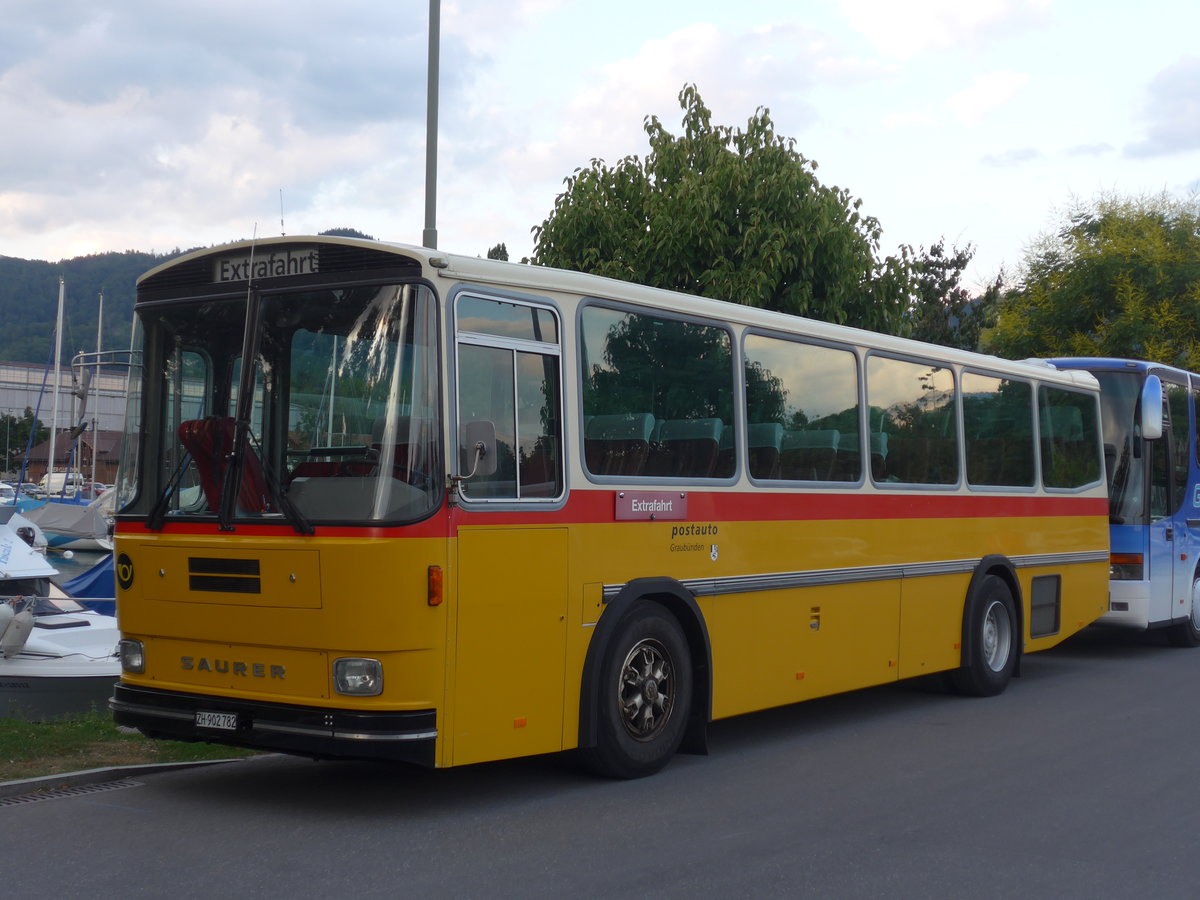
x=385, y=502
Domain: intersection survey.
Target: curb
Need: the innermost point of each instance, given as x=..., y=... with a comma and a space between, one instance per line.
x=64, y=780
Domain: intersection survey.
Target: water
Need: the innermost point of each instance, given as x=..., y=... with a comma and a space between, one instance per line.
x=80, y=562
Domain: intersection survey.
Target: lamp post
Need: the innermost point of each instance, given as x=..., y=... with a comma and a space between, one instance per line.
x=429, y=235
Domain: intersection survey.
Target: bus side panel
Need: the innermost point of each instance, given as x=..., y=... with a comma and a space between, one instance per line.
x=771, y=648
x=931, y=612
x=510, y=648
x=1084, y=598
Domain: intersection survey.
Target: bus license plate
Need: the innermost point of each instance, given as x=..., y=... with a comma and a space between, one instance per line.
x=223, y=721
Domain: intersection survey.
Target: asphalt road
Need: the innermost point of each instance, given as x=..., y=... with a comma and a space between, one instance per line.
x=1077, y=782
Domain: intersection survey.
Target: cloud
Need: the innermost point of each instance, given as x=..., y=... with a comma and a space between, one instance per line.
x=1011, y=158
x=986, y=93
x=1172, y=108
x=128, y=116
x=904, y=30
x=1101, y=149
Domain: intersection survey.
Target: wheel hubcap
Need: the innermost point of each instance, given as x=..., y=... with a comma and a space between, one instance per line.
x=645, y=689
x=997, y=636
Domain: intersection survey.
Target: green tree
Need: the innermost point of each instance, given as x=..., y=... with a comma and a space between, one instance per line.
x=941, y=310
x=16, y=437
x=727, y=213
x=500, y=251
x=1120, y=277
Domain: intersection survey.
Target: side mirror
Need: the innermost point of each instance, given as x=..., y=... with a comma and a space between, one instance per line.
x=1152, y=408
x=477, y=442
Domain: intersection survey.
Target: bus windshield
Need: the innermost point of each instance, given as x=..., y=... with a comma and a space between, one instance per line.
x=1124, y=461
x=342, y=424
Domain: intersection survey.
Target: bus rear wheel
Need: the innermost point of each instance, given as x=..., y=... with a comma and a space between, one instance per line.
x=645, y=695
x=993, y=640
x=1187, y=632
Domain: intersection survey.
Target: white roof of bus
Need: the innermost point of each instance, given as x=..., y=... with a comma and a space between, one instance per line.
x=441, y=265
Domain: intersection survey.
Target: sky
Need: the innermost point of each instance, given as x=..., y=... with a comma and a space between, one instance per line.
x=156, y=126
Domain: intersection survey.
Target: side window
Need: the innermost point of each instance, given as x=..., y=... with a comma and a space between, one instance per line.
x=188, y=396
x=1069, y=424
x=1177, y=406
x=802, y=411
x=1169, y=456
x=913, y=423
x=509, y=383
x=998, y=428
x=657, y=396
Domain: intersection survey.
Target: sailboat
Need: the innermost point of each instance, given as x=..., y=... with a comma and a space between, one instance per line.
x=70, y=517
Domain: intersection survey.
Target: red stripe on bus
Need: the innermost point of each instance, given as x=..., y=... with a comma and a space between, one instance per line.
x=599, y=506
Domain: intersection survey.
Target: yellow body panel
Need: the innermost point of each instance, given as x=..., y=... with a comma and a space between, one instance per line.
x=351, y=597
x=501, y=659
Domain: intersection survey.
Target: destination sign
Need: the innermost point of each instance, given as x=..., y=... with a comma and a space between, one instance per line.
x=266, y=264
x=650, y=505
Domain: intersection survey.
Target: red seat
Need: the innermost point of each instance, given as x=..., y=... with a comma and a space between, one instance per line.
x=209, y=441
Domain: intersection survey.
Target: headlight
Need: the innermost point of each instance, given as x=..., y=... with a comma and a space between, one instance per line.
x=133, y=656
x=361, y=677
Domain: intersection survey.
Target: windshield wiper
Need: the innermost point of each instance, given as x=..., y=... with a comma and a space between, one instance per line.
x=158, y=515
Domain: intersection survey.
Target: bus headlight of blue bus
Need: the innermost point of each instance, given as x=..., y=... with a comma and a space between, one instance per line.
x=133, y=656
x=360, y=677
x=1125, y=567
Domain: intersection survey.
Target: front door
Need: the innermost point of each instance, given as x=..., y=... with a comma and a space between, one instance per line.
x=511, y=643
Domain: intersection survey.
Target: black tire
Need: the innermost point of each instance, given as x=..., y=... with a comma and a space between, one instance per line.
x=645, y=695
x=1187, y=632
x=993, y=641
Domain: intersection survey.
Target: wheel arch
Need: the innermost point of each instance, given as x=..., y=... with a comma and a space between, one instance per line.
x=1004, y=569
x=680, y=602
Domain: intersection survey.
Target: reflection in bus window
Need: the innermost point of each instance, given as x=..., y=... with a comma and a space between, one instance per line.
x=508, y=377
x=998, y=424
x=912, y=420
x=802, y=411
x=657, y=396
x=1068, y=423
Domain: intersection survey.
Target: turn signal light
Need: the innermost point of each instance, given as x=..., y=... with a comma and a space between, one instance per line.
x=435, y=586
x=1125, y=567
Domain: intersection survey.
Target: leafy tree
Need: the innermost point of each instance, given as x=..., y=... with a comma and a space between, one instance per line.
x=727, y=213
x=500, y=251
x=16, y=437
x=1120, y=277
x=941, y=310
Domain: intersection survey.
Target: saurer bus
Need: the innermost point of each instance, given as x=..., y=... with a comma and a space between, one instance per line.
x=386, y=502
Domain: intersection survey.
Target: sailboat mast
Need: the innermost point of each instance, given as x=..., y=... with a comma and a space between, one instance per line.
x=96, y=402
x=62, y=291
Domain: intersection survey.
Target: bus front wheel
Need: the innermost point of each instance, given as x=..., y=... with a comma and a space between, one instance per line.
x=1187, y=632
x=645, y=694
x=993, y=641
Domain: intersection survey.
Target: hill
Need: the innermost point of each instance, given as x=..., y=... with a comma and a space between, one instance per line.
x=29, y=302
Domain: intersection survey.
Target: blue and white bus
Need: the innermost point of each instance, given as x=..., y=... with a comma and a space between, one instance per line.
x=1152, y=460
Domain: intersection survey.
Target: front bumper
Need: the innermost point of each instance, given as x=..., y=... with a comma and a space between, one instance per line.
x=400, y=736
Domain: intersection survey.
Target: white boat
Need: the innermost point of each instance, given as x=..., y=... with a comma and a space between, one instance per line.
x=56, y=656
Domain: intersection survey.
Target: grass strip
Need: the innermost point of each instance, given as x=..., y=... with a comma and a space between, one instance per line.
x=89, y=741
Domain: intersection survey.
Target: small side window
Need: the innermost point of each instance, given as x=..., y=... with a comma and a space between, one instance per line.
x=509, y=384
